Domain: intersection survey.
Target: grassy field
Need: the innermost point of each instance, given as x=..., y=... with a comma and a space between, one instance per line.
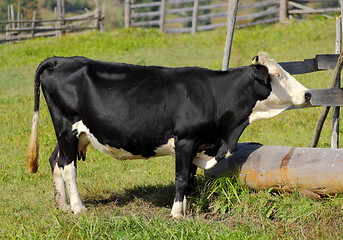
x=132, y=200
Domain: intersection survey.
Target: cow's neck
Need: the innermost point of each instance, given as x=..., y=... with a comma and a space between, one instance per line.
x=228, y=95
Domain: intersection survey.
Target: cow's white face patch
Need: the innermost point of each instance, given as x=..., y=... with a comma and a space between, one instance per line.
x=286, y=91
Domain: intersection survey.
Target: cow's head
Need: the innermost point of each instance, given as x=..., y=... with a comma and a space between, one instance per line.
x=286, y=91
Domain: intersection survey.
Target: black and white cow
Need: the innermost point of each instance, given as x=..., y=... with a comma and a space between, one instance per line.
x=130, y=112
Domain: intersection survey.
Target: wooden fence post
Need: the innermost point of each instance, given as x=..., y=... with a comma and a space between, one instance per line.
x=57, y=23
x=101, y=18
x=33, y=24
x=283, y=11
x=12, y=16
x=59, y=13
x=127, y=13
x=231, y=21
x=163, y=15
x=336, y=110
x=8, y=26
x=195, y=16
x=18, y=15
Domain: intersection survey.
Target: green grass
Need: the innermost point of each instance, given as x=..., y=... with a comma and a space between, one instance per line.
x=132, y=199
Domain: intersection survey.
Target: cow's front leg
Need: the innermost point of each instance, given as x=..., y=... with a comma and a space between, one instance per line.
x=184, y=151
x=230, y=139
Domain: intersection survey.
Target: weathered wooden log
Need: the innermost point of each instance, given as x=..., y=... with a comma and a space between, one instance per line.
x=319, y=170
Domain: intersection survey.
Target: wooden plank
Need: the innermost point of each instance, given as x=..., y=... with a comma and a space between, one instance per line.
x=208, y=7
x=267, y=12
x=43, y=28
x=212, y=15
x=146, y=23
x=180, y=10
x=320, y=62
x=313, y=1
x=145, y=14
x=179, y=20
x=300, y=67
x=327, y=97
x=141, y=5
x=211, y=26
x=180, y=1
x=327, y=61
x=178, y=30
x=323, y=10
x=76, y=18
x=259, y=4
x=272, y=20
x=284, y=168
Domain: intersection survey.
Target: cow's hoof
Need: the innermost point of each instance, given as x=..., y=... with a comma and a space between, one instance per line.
x=65, y=207
x=78, y=209
x=178, y=216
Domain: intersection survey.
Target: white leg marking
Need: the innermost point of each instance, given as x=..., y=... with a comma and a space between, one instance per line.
x=204, y=164
x=228, y=154
x=179, y=209
x=204, y=161
x=69, y=176
x=184, y=205
x=60, y=190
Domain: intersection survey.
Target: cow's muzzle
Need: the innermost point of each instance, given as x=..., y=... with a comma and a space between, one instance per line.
x=308, y=96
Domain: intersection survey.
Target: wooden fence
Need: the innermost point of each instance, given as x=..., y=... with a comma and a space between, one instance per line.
x=16, y=30
x=179, y=16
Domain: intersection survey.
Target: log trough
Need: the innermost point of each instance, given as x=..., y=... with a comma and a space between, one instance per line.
x=319, y=170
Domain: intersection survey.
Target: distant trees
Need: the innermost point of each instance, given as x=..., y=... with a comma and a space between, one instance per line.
x=70, y=6
x=22, y=8
x=26, y=8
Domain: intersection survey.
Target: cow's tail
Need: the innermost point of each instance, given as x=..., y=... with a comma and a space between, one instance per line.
x=33, y=151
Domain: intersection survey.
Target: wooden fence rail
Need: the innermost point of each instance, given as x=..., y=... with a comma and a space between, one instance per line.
x=181, y=16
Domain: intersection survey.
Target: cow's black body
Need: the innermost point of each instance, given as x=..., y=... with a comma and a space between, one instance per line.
x=139, y=108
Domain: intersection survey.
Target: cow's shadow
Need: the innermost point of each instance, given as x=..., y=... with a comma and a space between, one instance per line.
x=163, y=195
x=157, y=195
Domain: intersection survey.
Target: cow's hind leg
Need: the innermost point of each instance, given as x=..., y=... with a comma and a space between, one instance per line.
x=59, y=186
x=69, y=177
x=185, y=153
x=63, y=164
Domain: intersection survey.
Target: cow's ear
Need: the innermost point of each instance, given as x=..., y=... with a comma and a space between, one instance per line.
x=260, y=73
x=255, y=60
